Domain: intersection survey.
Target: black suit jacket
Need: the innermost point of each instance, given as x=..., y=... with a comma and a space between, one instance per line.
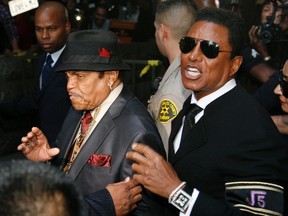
x=50, y=104
x=126, y=121
x=233, y=143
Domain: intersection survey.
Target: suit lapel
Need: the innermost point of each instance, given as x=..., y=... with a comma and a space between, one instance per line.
x=51, y=76
x=198, y=136
x=93, y=143
x=176, y=124
x=66, y=136
x=193, y=141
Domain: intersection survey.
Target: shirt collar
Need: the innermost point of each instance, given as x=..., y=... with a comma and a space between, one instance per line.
x=203, y=102
x=99, y=112
x=55, y=55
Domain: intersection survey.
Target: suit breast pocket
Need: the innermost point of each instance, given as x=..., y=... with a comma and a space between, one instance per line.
x=100, y=163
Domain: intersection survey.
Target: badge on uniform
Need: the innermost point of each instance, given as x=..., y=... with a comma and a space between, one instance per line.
x=168, y=111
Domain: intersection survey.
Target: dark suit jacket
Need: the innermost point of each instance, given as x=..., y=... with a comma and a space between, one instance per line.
x=99, y=203
x=50, y=104
x=127, y=121
x=234, y=141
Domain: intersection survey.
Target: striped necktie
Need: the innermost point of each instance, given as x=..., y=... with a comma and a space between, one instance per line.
x=85, y=123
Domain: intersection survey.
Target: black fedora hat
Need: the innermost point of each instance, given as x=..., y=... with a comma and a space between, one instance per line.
x=91, y=50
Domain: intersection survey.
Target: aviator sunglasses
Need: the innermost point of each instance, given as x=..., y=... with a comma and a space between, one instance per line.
x=283, y=82
x=209, y=48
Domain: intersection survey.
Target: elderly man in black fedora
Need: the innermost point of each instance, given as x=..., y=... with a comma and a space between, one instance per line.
x=103, y=122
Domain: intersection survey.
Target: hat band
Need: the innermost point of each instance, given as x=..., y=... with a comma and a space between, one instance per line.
x=91, y=59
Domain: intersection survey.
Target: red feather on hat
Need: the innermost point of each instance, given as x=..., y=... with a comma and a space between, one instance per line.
x=103, y=52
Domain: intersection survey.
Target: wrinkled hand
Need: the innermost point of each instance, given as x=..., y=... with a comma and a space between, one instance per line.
x=258, y=45
x=36, y=147
x=152, y=170
x=125, y=195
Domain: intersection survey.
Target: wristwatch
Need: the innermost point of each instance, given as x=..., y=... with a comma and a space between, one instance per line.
x=181, y=197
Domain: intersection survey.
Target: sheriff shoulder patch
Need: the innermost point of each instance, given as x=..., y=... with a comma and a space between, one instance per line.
x=168, y=111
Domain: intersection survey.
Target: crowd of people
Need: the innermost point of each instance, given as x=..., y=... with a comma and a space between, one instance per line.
x=208, y=143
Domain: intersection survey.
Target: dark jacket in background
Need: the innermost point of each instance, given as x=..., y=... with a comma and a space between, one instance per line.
x=49, y=104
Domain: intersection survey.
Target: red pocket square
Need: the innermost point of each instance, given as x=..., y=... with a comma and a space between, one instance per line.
x=100, y=160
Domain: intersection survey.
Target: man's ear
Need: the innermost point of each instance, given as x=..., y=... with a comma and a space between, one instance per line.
x=164, y=31
x=112, y=75
x=68, y=26
x=235, y=64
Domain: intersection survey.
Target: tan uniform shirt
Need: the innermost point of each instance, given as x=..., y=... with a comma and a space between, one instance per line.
x=166, y=103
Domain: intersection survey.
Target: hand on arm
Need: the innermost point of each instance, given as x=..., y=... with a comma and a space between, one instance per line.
x=35, y=146
x=125, y=195
x=152, y=170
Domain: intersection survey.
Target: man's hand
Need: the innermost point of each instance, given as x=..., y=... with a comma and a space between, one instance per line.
x=36, y=147
x=125, y=195
x=256, y=43
x=152, y=170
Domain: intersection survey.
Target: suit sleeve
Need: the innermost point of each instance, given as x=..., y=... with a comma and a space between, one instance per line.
x=151, y=204
x=99, y=203
x=243, y=199
x=152, y=140
x=253, y=185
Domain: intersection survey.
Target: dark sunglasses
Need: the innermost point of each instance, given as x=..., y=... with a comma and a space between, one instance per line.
x=283, y=84
x=209, y=48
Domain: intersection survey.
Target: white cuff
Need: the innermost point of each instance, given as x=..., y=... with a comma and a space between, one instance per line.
x=194, y=197
x=183, y=201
